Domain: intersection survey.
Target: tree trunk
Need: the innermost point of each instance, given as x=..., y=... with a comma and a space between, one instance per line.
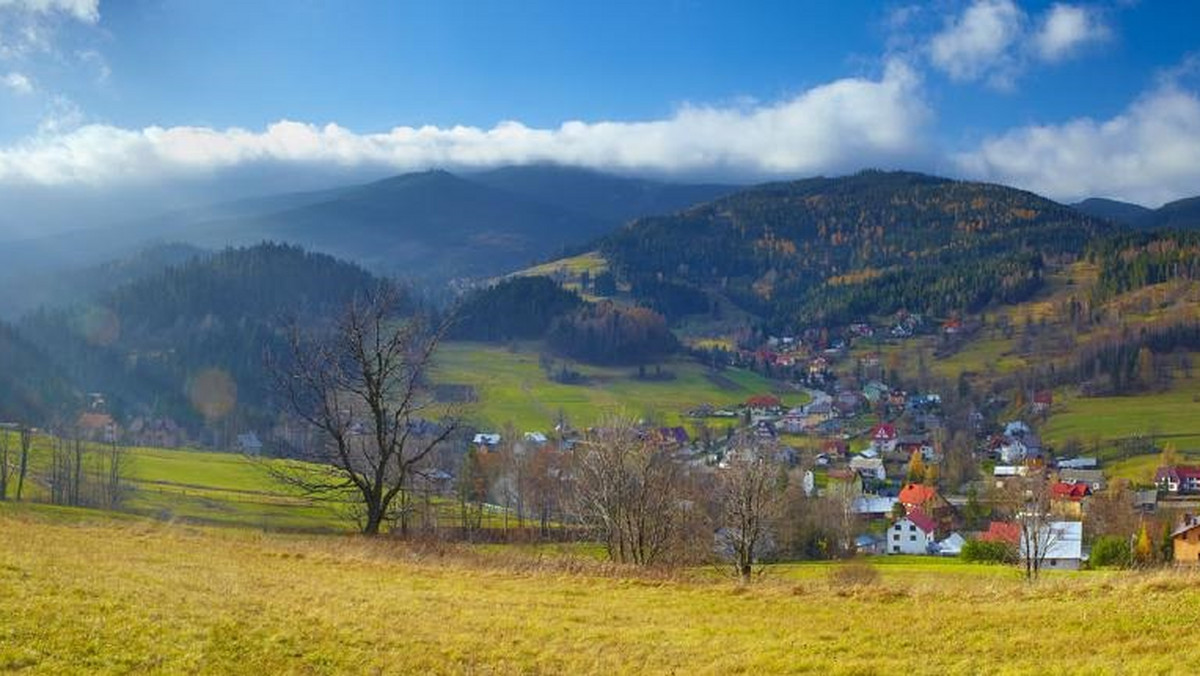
x=25, y=443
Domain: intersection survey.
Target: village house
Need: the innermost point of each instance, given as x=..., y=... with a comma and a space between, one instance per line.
x=1066, y=500
x=867, y=544
x=835, y=448
x=926, y=499
x=248, y=443
x=793, y=422
x=764, y=429
x=1002, y=531
x=869, y=468
x=1185, y=541
x=951, y=546
x=1079, y=463
x=908, y=444
x=1042, y=401
x=1062, y=543
x=817, y=413
x=1178, y=479
x=157, y=432
x=764, y=406
x=873, y=506
x=486, y=442
x=847, y=403
x=98, y=427
x=1012, y=449
x=875, y=391
x=1002, y=474
x=1094, y=478
x=913, y=534
x=883, y=438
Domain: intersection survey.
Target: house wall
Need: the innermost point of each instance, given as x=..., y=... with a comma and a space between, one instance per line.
x=905, y=538
x=1060, y=564
x=1187, y=547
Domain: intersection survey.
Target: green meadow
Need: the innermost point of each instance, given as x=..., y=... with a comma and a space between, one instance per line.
x=1172, y=416
x=226, y=489
x=511, y=387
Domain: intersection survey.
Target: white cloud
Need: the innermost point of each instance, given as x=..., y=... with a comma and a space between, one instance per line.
x=1149, y=154
x=1066, y=29
x=993, y=40
x=978, y=42
x=17, y=83
x=837, y=126
x=87, y=11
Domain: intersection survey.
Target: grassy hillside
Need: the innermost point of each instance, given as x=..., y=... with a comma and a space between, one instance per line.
x=510, y=386
x=100, y=596
x=217, y=488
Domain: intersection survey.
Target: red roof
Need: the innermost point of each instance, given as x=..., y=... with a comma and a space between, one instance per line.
x=1002, y=531
x=836, y=446
x=763, y=401
x=922, y=520
x=1065, y=491
x=917, y=494
x=1177, y=473
x=883, y=432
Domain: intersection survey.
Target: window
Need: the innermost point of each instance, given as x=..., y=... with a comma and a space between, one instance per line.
x=896, y=537
x=896, y=548
x=912, y=529
x=912, y=538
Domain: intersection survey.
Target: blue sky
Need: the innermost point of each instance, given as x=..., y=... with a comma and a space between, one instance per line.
x=1069, y=99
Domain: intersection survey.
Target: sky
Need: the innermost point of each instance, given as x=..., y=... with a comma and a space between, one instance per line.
x=1068, y=99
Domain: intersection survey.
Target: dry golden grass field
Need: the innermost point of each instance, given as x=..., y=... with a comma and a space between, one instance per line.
x=83, y=592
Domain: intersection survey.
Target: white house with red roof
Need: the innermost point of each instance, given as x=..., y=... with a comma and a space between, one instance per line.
x=883, y=437
x=912, y=535
x=1178, y=479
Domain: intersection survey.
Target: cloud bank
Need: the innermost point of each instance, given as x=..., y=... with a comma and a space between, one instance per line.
x=838, y=126
x=1150, y=153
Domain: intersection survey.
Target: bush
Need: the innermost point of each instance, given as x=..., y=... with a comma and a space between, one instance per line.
x=854, y=574
x=1111, y=551
x=982, y=551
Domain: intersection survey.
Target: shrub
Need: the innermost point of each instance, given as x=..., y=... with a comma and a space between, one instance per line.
x=982, y=551
x=1111, y=551
x=854, y=574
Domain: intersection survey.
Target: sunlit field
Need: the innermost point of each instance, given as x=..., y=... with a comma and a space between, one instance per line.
x=82, y=592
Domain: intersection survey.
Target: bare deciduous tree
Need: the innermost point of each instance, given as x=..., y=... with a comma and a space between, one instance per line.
x=1028, y=499
x=750, y=496
x=629, y=490
x=365, y=387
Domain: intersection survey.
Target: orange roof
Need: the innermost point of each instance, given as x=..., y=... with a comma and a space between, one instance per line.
x=917, y=494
